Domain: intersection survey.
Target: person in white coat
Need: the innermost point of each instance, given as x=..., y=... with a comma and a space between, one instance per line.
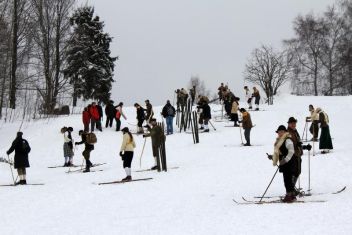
x=126, y=152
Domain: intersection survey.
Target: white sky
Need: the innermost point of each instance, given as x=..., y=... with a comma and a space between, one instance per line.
x=162, y=43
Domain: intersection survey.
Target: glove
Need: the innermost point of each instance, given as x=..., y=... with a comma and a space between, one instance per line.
x=307, y=147
x=270, y=157
x=121, y=154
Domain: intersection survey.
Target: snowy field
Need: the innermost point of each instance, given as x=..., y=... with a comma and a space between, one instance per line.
x=197, y=197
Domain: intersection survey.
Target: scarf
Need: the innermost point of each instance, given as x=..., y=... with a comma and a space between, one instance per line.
x=278, y=143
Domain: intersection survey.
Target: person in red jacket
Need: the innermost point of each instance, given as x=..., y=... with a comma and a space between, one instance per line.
x=94, y=117
x=86, y=118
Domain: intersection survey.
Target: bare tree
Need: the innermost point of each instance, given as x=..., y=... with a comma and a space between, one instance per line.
x=200, y=86
x=268, y=69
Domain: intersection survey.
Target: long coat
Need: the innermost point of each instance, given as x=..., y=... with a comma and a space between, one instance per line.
x=21, y=153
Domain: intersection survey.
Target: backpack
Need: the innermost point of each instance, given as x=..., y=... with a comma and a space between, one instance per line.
x=170, y=111
x=91, y=138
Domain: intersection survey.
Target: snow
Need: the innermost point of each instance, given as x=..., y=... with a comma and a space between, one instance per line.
x=193, y=199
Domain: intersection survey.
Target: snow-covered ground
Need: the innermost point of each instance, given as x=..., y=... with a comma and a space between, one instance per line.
x=196, y=198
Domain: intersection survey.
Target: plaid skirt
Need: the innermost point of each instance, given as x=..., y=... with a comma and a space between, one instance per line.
x=67, y=151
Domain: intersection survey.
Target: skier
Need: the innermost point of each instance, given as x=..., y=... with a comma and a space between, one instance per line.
x=118, y=115
x=88, y=148
x=140, y=118
x=110, y=113
x=168, y=113
x=325, y=143
x=21, y=148
x=158, y=137
x=314, y=118
x=192, y=92
x=205, y=114
x=86, y=118
x=150, y=112
x=68, y=146
x=256, y=97
x=248, y=96
x=247, y=126
x=183, y=96
x=221, y=91
x=284, y=154
x=126, y=152
x=95, y=118
x=234, y=110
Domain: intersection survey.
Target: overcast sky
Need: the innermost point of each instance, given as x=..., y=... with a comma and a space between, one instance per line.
x=162, y=43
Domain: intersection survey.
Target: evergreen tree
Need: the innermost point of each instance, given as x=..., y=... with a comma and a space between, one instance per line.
x=90, y=66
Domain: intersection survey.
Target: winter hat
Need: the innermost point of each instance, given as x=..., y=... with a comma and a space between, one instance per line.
x=70, y=129
x=242, y=110
x=120, y=104
x=291, y=120
x=281, y=128
x=147, y=101
x=125, y=129
x=19, y=134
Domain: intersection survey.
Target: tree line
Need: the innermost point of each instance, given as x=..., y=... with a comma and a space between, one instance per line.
x=317, y=60
x=50, y=52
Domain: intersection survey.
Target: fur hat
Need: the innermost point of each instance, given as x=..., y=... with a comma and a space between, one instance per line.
x=281, y=128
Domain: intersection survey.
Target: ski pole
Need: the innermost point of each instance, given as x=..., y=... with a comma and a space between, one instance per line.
x=309, y=189
x=304, y=130
x=277, y=169
x=140, y=158
x=212, y=125
x=13, y=178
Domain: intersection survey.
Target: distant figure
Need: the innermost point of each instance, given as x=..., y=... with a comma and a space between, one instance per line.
x=234, y=110
x=168, y=113
x=314, y=127
x=149, y=111
x=192, y=92
x=247, y=126
x=110, y=113
x=205, y=114
x=100, y=111
x=86, y=118
x=126, y=152
x=21, y=148
x=256, y=97
x=221, y=90
x=95, y=117
x=68, y=146
x=248, y=97
x=325, y=143
x=140, y=118
x=118, y=115
x=88, y=148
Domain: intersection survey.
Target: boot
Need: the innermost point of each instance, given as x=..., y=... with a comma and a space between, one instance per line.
x=24, y=182
x=206, y=130
x=87, y=169
x=289, y=198
x=154, y=168
x=256, y=109
x=127, y=178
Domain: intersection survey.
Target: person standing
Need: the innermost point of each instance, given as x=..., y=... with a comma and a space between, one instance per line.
x=247, y=126
x=86, y=118
x=168, y=113
x=256, y=97
x=314, y=127
x=119, y=113
x=110, y=113
x=284, y=156
x=192, y=92
x=234, y=110
x=100, y=120
x=94, y=116
x=88, y=148
x=22, y=149
x=140, y=118
x=248, y=97
x=158, y=137
x=150, y=112
x=126, y=152
x=325, y=143
x=68, y=146
x=205, y=115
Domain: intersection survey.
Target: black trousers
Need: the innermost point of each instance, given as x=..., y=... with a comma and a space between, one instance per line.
x=247, y=135
x=118, y=124
x=109, y=121
x=288, y=181
x=127, y=159
x=140, y=122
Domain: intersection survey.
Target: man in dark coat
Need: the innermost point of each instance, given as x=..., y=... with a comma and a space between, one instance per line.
x=158, y=137
x=21, y=148
x=168, y=113
x=205, y=115
x=149, y=111
x=110, y=113
x=247, y=126
x=88, y=148
x=140, y=118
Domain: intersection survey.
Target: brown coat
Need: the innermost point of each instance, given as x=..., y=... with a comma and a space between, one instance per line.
x=246, y=120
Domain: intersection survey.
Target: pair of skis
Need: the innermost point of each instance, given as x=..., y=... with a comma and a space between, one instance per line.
x=278, y=199
x=123, y=181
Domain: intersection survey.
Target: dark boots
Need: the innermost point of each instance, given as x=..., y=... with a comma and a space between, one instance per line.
x=127, y=178
x=289, y=198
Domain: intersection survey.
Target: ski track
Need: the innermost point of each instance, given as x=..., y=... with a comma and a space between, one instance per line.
x=194, y=199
